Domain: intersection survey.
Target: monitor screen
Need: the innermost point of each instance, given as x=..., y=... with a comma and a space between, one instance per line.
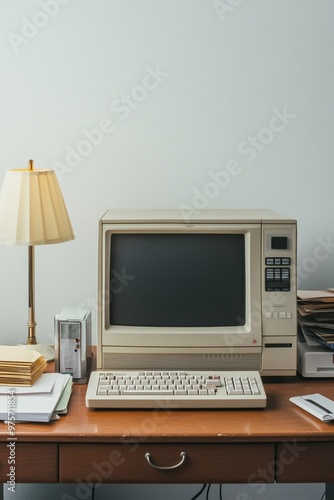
x=177, y=280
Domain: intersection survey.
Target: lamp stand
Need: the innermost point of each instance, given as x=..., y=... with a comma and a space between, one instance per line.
x=31, y=297
x=44, y=349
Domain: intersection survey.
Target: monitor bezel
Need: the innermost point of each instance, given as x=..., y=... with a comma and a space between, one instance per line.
x=236, y=337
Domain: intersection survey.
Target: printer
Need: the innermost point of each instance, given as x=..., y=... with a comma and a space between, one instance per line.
x=314, y=360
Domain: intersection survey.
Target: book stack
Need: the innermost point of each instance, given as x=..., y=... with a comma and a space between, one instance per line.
x=316, y=315
x=20, y=366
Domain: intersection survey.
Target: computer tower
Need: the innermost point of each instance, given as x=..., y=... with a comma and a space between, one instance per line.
x=72, y=328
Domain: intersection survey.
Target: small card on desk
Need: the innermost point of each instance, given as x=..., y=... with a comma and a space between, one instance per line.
x=316, y=404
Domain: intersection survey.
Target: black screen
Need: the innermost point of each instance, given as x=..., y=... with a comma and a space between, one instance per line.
x=279, y=242
x=171, y=280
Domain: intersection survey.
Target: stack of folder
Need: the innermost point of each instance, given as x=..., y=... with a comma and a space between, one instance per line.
x=316, y=315
x=34, y=396
x=20, y=366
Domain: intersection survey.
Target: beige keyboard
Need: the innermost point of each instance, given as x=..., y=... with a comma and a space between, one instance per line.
x=175, y=389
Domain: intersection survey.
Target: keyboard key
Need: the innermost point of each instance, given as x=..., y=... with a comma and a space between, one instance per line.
x=146, y=392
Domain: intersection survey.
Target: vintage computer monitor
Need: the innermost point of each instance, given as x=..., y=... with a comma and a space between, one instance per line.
x=216, y=292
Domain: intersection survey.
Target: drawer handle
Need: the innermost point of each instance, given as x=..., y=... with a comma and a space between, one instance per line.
x=182, y=455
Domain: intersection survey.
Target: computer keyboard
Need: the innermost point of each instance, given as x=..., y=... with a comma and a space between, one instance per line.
x=175, y=389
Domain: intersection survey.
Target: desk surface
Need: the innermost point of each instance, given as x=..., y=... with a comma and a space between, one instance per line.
x=280, y=420
x=280, y=443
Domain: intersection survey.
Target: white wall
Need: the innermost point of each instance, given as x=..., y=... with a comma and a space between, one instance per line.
x=222, y=70
x=180, y=89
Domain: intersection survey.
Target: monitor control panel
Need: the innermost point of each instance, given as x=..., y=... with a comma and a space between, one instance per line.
x=277, y=274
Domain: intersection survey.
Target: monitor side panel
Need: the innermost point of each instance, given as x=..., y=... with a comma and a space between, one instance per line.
x=279, y=299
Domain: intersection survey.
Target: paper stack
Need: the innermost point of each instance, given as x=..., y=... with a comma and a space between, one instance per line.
x=316, y=315
x=44, y=401
x=20, y=366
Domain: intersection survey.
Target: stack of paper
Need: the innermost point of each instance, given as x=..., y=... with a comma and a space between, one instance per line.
x=20, y=366
x=42, y=402
x=316, y=315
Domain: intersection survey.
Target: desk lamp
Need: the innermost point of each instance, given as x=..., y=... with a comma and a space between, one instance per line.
x=33, y=212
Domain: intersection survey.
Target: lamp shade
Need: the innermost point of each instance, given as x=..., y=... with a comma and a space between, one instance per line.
x=32, y=209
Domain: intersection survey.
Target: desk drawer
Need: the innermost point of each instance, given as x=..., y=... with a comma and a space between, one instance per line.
x=305, y=463
x=32, y=462
x=210, y=463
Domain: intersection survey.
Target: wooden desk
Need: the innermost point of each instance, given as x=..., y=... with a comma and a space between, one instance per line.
x=279, y=443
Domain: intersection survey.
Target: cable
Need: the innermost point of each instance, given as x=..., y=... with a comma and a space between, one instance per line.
x=323, y=496
x=93, y=491
x=200, y=492
x=220, y=492
x=207, y=492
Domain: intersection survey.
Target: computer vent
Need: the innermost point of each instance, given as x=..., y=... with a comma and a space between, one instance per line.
x=219, y=361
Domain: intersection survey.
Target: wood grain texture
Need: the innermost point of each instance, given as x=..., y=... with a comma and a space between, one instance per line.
x=305, y=463
x=34, y=462
x=281, y=442
x=211, y=463
x=279, y=421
